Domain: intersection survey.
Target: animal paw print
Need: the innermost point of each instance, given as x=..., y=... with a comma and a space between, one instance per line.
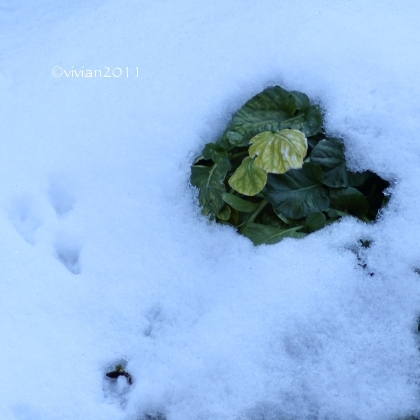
x=25, y=216
x=29, y=215
x=66, y=246
x=60, y=196
x=67, y=251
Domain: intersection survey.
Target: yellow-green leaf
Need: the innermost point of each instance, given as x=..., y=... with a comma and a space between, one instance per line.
x=248, y=179
x=279, y=151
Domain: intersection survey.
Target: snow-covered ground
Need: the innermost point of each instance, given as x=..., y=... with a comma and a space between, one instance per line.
x=104, y=258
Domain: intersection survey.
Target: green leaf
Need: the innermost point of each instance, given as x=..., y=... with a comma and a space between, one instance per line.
x=273, y=98
x=263, y=234
x=272, y=220
x=264, y=112
x=224, y=213
x=248, y=179
x=214, y=152
x=234, y=138
x=280, y=151
x=312, y=122
x=349, y=200
x=239, y=203
x=284, y=219
x=223, y=142
x=246, y=123
x=332, y=213
x=234, y=217
x=199, y=174
x=273, y=109
x=302, y=100
x=298, y=192
x=314, y=140
x=315, y=221
x=309, y=118
x=358, y=178
x=329, y=155
x=209, y=180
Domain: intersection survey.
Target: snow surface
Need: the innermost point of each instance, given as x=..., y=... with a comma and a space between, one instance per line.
x=105, y=258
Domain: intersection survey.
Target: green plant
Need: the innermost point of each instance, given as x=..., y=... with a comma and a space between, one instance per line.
x=274, y=173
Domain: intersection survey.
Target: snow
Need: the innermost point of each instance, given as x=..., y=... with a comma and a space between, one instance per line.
x=105, y=259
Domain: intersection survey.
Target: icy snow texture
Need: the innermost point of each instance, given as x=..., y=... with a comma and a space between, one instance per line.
x=104, y=257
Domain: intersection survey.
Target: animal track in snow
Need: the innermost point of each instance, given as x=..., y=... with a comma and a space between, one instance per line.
x=154, y=316
x=25, y=217
x=60, y=195
x=67, y=251
x=28, y=212
x=117, y=382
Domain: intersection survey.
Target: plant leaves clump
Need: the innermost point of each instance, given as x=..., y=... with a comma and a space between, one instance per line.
x=275, y=174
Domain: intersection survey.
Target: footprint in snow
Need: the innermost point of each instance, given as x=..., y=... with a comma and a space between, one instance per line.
x=60, y=195
x=67, y=251
x=25, y=216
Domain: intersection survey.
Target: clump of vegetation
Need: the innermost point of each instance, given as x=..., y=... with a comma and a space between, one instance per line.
x=274, y=173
